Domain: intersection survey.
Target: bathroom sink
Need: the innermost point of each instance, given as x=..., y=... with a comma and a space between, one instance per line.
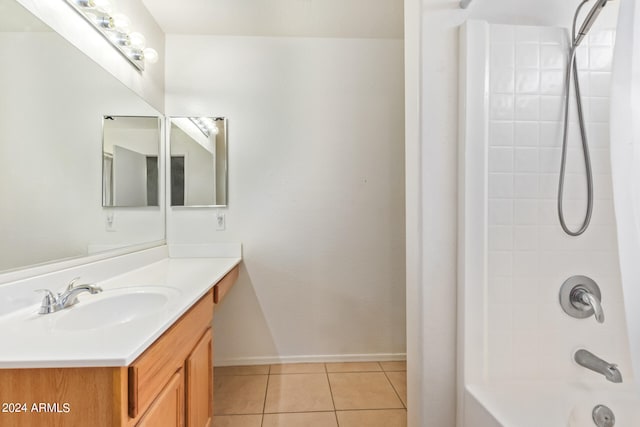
x=115, y=307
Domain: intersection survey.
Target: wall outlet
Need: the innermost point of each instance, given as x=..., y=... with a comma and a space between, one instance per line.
x=220, y=221
x=110, y=222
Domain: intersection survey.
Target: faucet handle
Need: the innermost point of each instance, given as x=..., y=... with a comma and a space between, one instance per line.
x=72, y=283
x=590, y=300
x=580, y=297
x=48, y=302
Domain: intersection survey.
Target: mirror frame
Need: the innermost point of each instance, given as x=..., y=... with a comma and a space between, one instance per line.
x=168, y=124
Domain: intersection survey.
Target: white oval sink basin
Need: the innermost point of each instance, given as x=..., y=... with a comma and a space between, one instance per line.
x=115, y=307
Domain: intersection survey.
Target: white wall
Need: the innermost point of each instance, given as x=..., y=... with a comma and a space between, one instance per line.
x=316, y=191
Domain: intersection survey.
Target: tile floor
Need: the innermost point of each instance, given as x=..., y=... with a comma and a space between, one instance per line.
x=363, y=394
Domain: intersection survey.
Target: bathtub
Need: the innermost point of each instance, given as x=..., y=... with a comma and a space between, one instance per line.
x=548, y=404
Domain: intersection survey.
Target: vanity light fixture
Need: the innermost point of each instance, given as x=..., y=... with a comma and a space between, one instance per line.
x=116, y=28
x=207, y=125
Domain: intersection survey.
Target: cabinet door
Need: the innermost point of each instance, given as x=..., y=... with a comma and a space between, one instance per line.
x=199, y=366
x=168, y=408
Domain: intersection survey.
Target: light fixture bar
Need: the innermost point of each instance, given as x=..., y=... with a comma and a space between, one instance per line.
x=115, y=29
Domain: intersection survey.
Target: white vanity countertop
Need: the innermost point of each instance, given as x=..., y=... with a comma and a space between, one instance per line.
x=30, y=340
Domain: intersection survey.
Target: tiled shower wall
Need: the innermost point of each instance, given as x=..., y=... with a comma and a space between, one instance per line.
x=528, y=334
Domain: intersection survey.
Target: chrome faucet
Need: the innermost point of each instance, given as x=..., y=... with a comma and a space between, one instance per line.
x=591, y=361
x=52, y=302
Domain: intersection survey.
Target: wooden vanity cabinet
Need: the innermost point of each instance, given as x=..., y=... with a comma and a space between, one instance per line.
x=169, y=385
x=168, y=408
x=185, y=349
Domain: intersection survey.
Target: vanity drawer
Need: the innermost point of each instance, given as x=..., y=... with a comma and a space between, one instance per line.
x=154, y=368
x=224, y=285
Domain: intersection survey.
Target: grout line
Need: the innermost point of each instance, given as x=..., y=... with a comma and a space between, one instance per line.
x=396, y=391
x=264, y=405
x=333, y=402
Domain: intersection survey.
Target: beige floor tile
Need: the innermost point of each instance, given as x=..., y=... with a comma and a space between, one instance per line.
x=298, y=393
x=241, y=370
x=306, y=419
x=298, y=368
x=399, y=382
x=239, y=394
x=393, y=366
x=354, y=367
x=375, y=418
x=363, y=390
x=237, y=421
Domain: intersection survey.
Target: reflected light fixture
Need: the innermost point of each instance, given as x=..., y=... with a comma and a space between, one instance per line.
x=116, y=28
x=207, y=125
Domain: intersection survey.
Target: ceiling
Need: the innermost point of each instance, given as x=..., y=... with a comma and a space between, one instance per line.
x=288, y=18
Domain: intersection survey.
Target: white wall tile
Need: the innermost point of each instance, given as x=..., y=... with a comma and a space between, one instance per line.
x=502, y=56
x=601, y=38
x=526, y=186
x=502, y=107
x=500, y=159
x=551, y=108
x=529, y=254
x=582, y=57
x=526, y=134
x=501, y=134
x=600, y=58
x=500, y=264
x=502, y=34
x=600, y=84
x=527, y=81
x=526, y=34
x=525, y=212
x=500, y=238
x=526, y=159
x=500, y=212
x=502, y=80
x=551, y=82
x=525, y=238
x=550, y=134
x=500, y=185
x=548, y=184
x=598, y=135
x=528, y=56
x=552, y=57
x=599, y=110
x=527, y=107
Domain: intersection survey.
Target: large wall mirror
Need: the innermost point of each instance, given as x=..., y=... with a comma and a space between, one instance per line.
x=198, y=161
x=52, y=104
x=130, y=153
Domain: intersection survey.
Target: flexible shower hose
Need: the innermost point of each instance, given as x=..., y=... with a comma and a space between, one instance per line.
x=573, y=69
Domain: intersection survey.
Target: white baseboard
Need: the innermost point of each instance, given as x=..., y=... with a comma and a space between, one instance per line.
x=328, y=358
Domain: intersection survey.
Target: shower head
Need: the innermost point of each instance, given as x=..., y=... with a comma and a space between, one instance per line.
x=589, y=20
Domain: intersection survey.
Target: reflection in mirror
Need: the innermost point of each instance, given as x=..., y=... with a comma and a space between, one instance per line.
x=52, y=102
x=130, y=148
x=198, y=161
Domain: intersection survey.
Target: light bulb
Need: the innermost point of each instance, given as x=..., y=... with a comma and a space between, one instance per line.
x=151, y=55
x=102, y=21
x=122, y=23
x=103, y=6
x=119, y=38
x=85, y=3
x=137, y=41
